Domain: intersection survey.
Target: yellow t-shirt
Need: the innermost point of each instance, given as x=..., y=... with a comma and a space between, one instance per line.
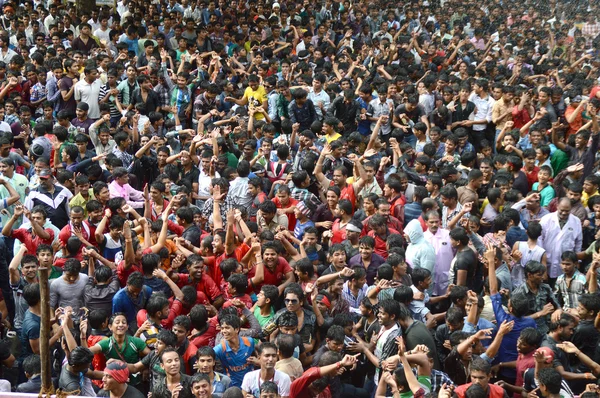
x=331, y=138
x=257, y=98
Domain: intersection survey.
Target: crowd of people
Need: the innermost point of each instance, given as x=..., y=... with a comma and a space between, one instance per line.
x=301, y=199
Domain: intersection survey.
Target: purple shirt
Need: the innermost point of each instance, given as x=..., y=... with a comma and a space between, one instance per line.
x=376, y=261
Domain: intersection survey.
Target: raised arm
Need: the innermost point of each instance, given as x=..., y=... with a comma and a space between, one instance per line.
x=13, y=268
x=37, y=228
x=326, y=151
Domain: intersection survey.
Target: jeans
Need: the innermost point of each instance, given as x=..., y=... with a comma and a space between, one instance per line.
x=411, y=139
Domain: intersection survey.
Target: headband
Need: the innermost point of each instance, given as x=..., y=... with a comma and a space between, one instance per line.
x=325, y=301
x=118, y=371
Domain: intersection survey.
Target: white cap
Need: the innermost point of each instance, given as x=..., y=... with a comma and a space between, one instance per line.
x=276, y=5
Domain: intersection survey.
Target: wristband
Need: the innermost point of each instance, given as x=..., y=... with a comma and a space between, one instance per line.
x=338, y=365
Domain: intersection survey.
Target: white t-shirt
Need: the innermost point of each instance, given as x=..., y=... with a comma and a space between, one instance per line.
x=251, y=383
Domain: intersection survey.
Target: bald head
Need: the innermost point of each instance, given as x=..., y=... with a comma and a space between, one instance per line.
x=564, y=208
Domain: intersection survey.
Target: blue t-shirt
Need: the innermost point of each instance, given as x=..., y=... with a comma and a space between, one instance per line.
x=508, y=350
x=235, y=363
x=30, y=330
x=122, y=302
x=300, y=228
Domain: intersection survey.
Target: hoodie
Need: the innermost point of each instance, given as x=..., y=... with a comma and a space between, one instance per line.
x=419, y=253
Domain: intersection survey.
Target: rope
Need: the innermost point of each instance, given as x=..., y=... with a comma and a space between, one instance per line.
x=58, y=393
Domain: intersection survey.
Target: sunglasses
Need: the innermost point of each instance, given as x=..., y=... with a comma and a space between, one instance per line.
x=291, y=301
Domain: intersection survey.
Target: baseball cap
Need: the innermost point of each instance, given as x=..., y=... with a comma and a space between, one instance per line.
x=45, y=174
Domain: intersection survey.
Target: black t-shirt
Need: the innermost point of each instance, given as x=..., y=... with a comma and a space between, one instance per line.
x=190, y=177
x=466, y=260
x=130, y=392
x=4, y=353
x=414, y=115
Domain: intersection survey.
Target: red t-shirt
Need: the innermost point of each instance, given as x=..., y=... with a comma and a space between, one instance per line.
x=86, y=230
x=532, y=176
x=244, y=299
x=206, y=285
x=31, y=242
x=212, y=263
x=380, y=247
x=291, y=216
x=299, y=388
x=339, y=234
x=349, y=194
x=123, y=273
x=276, y=278
x=207, y=338
x=99, y=361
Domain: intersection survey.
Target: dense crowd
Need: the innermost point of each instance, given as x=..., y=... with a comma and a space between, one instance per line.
x=301, y=199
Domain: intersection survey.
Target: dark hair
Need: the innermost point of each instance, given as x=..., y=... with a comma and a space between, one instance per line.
x=198, y=316
x=564, y=320
x=286, y=344
x=136, y=279
x=531, y=337
x=391, y=307
x=287, y=319
x=156, y=303
x=403, y=294
x=167, y=337
x=31, y=294
x=80, y=356
x=420, y=275
x=231, y=320
x=239, y=282
x=455, y=316
x=520, y=305
x=336, y=333
x=32, y=364
x=551, y=379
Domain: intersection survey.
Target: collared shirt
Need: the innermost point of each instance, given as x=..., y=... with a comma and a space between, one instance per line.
x=448, y=215
x=126, y=91
x=224, y=207
x=235, y=362
x=353, y=301
x=125, y=157
x=444, y=254
x=133, y=197
x=484, y=107
x=376, y=261
x=537, y=302
x=322, y=96
x=570, y=293
x=557, y=240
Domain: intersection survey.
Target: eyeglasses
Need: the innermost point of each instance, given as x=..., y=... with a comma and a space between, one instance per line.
x=291, y=301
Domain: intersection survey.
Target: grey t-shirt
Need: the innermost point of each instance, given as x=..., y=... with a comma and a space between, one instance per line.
x=68, y=381
x=63, y=294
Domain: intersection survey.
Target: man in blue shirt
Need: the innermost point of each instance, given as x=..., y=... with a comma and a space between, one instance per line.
x=518, y=307
x=132, y=298
x=233, y=351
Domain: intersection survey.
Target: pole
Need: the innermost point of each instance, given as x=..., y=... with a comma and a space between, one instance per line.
x=45, y=331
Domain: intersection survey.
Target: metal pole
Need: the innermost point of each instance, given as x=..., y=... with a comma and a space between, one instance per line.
x=45, y=331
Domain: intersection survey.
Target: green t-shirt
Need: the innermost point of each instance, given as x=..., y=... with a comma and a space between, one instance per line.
x=424, y=381
x=263, y=320
x=128, y=352
x=232, y=161
x=546, y=195
x=55, y=273
x=559, y=161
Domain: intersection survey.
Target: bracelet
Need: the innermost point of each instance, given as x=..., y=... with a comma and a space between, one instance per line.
x=338, y=365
